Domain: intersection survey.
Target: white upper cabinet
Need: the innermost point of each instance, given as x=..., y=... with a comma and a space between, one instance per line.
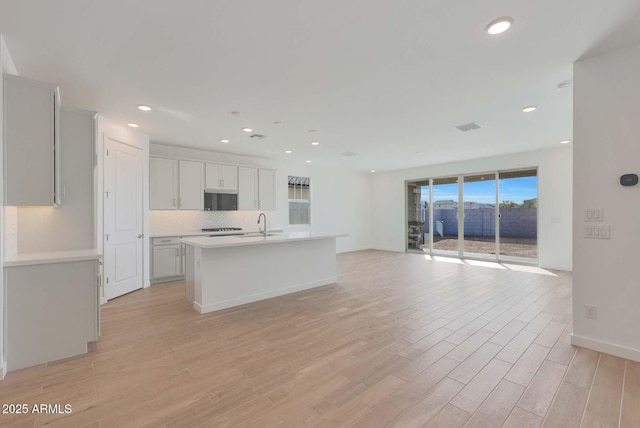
x=191, y=186
x=32, y=159
x=266, y=189
x=256, y=189
x=247, y=188
x=163, y=183
x=221, y=177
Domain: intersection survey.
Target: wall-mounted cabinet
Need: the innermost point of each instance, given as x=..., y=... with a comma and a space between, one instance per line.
x=163, y=179
x=31, y=118
x=256, y=189
x=191, y=185
x=175, y=184
x=221, y=177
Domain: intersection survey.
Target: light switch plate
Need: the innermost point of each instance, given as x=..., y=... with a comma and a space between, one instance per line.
x=599, y=231
x=594, y=214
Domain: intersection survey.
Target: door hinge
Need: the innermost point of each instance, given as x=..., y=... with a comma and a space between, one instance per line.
x=107, y=152
x=107, y=280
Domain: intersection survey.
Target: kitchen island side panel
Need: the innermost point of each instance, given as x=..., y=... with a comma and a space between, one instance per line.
x=232, y=276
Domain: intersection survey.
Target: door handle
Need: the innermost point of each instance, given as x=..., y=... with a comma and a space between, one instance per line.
x=140, y=236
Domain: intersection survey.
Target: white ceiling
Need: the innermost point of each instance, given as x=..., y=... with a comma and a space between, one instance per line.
x=388, y=80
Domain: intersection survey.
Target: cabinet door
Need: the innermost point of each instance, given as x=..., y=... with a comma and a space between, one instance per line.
x=166, y=261
x=229, y=177
x=267, y=189
x=213, y=176
x=247, y=188
x=31, y=113
x=163, y=184
x=191, y=186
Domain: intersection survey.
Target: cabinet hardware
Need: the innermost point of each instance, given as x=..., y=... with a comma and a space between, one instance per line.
x=107, y=236
x=174, y=202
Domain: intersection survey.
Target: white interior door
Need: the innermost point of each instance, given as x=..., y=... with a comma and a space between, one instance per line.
x=123, y=213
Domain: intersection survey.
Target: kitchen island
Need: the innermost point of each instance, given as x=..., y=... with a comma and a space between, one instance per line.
x=222, y=272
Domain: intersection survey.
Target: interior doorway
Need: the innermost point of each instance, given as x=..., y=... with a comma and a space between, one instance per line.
x=123, y=218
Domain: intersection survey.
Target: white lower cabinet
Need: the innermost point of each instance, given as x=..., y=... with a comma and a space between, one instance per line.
x=51, y=311
x=167, y=256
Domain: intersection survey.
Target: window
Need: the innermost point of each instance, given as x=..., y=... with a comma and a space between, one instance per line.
x=299, y=200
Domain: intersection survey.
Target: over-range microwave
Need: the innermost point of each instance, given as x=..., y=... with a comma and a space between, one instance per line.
x=217, y=201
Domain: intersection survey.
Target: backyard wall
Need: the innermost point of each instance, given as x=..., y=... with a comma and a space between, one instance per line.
x=514, y=222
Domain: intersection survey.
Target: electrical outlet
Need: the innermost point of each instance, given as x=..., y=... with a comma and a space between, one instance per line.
x=591, y=312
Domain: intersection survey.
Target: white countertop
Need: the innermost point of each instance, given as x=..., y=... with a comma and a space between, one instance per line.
x=201, y=233
x=48, y=257
x=236, y=241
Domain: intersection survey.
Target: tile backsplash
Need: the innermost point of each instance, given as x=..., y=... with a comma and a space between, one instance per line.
x=162, y=222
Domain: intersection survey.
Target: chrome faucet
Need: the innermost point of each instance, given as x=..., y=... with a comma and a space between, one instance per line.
x=264, y=232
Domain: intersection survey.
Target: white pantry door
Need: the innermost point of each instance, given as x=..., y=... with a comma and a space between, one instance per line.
x=123, y=212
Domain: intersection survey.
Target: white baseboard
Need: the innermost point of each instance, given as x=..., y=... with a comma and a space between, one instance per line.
x=351, y=250
x=393, y=250
x=557, y=267
x=103, y=300
x=607, y=348
x=3, y=366
x=203, y=309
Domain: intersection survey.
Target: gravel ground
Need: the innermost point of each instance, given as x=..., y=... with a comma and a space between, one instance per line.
x=514, y=247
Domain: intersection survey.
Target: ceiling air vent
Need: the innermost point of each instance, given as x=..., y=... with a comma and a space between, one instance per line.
x=468, y=126
x=258, y=136
x=349, y=154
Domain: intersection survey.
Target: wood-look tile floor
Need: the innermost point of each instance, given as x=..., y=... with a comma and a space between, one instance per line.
x=399, y=341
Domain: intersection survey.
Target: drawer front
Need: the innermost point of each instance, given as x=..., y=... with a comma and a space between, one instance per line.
x=167, y=240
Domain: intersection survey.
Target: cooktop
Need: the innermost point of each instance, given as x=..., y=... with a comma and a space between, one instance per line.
x=222, y=229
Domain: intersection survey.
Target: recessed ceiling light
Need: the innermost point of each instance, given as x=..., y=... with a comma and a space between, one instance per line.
x=288, y=151
x=314, y=143
x=247, y=129
x=373, y=170
x=529, y=109
x=235, y=113
x=499, y=25
x=224, y=141
x=565, y=142
x=133, y=125
x=308, y=161
x=144, y=107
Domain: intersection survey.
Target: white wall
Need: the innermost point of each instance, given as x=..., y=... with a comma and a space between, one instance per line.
x=554, y=200
x=340, y=200
x=6, y=66
x=607, y=145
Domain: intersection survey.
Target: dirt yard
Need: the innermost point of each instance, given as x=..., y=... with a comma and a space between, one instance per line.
x=513, y=247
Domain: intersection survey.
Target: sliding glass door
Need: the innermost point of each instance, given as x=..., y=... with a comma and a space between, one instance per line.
x=491, y=216
x=444, y=222
x=518, y=215
x=479, y=199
